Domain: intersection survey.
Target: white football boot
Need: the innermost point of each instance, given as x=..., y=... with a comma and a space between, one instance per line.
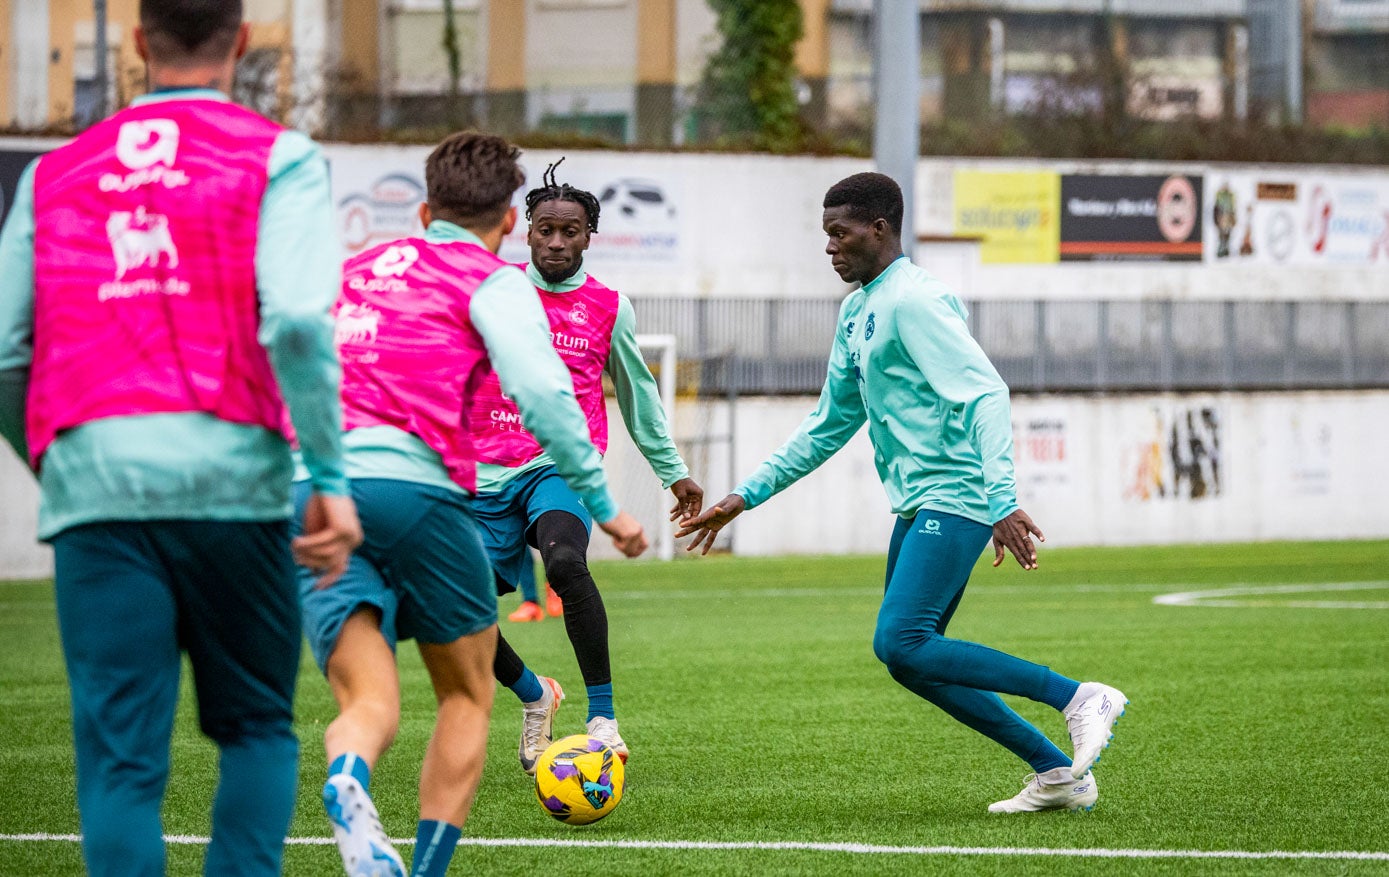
x=605, y=729
x=538, y=723
x=1090, y=717
x=1053, y=790
x=365, y=848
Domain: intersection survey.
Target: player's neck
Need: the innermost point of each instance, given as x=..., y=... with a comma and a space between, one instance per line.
x=884, y=262
x=214, y=77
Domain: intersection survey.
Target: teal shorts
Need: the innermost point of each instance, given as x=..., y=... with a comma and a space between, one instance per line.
x=422, y=567
x=507, y=519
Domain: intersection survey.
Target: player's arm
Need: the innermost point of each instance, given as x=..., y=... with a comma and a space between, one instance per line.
x=17, y=313
x=937, y=338
x=837, y=416
x=506, y=312
x=299, y=274
x=639, y=400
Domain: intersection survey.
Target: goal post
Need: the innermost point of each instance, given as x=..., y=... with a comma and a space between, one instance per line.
x=633, y=484
x=661, y=349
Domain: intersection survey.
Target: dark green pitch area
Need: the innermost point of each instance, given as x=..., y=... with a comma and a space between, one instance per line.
x=756, y=712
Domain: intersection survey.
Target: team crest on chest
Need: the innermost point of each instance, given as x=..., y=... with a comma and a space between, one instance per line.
x=869, y=327
x=578, y=314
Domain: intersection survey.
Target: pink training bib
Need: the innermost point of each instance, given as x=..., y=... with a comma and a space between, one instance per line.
x=411, y=357
x=581, y=329
x=144, y=270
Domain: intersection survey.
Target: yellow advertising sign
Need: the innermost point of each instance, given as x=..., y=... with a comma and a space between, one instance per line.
x=1015, y=212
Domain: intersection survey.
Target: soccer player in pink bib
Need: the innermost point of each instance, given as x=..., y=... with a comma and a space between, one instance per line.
x=423, y=325
x=522, y=500
x=165, y=282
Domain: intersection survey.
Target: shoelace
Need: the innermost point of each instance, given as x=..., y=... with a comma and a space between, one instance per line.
x=533, y=724
x=1077, y=724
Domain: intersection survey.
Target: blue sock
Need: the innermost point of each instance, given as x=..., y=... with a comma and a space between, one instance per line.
x=354, y=764
x=1058, y=690
x=600, y=701
x=434, y=845
x=528, y=687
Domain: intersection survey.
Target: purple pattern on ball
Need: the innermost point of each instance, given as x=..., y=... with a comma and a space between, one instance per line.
x=554, y=805
x=594, y=744
x=564, y=771
x=605, y=779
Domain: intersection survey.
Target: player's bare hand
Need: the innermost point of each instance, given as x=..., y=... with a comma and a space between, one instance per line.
x=331, y=533
x=627, y=535
x=689, y=499
x=1014, y=533
x=707, y=525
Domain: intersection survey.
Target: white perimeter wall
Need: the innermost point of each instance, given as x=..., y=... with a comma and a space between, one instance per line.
x=1091, y=471
x=739, y=225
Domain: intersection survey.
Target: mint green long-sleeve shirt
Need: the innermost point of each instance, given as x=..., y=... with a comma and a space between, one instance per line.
x=937, y=411
x=507, y=314
x=193, y=465
x=638, y=399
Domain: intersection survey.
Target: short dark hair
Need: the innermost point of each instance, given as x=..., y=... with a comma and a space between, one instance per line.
x=869, y=197
x=553, y=191
x=470, y=177
x=190, y=31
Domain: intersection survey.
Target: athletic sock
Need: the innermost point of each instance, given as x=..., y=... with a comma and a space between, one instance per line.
x=600, y=701
x=353, y=764
x=1059, y=691
x=434, y=845
x=528, y=687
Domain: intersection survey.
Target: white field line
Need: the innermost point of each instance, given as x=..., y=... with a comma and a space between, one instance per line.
x=860, y=590
x=1220, y=597
x=799, y=846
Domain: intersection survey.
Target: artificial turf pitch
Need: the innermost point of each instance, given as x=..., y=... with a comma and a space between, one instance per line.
x=756, y=713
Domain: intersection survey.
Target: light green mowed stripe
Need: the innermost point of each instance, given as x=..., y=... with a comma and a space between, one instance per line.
x=767, y=739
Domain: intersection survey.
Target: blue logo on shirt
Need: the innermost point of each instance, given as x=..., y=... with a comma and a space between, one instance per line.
x=868, y=329
x=848, y=330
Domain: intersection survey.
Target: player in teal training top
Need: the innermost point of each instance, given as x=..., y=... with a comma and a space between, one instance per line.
x=938, y=418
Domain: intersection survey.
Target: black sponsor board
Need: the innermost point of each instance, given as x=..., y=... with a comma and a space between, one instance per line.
x=12, y=164
x=1108, y=217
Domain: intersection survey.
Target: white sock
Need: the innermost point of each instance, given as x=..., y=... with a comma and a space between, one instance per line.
x=1084, y=691
x=1056, y=776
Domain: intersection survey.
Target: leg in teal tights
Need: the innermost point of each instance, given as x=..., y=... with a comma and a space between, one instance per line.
x=929, y=563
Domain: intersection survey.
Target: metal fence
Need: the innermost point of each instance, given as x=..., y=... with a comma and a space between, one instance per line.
x=780, y=346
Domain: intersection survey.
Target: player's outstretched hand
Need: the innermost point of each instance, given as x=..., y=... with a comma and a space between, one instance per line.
x=689, y=499
x=1013, y=533
x=331, y=533
x=628, y=536
x=710, y=523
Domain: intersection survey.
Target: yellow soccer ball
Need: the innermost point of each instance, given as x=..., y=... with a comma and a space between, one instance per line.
x=579, y=779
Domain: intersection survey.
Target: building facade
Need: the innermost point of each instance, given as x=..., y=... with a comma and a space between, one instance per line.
x=629, y=71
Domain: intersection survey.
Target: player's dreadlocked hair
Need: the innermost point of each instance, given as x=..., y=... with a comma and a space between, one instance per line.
x=553, y=191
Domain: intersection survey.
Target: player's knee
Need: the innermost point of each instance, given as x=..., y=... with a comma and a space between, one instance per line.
x=566, y=566
x=902, y=651
x=245, y=727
